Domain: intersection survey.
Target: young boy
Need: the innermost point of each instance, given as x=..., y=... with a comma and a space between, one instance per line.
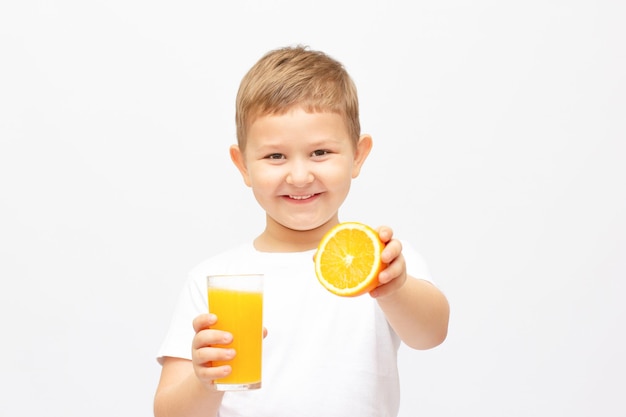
x=299, y=147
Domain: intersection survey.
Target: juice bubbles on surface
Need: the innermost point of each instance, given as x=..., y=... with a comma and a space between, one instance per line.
x=239, y=311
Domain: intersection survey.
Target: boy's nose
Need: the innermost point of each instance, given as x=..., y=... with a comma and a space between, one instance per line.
x=299, y=175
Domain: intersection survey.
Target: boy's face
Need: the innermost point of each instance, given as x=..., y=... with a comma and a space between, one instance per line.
x=300, y=166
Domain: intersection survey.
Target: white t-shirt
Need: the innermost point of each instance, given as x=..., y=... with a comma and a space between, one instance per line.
x=324, y=355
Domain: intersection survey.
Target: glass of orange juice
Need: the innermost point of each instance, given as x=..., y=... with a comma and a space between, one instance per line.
x=237, y=301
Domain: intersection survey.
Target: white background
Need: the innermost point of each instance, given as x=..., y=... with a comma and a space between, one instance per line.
x=499, y=133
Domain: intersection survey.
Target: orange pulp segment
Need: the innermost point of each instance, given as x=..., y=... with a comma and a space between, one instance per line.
x=347, y=261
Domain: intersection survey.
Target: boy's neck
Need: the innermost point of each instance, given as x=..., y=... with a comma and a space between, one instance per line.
x=278, y=238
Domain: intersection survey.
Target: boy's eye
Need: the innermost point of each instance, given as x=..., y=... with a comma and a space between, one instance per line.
x=275, y=156
x=320, y=152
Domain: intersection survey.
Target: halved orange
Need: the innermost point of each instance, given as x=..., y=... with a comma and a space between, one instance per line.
x=347, y=261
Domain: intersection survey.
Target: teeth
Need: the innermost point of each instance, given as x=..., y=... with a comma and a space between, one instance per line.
x=301, y=197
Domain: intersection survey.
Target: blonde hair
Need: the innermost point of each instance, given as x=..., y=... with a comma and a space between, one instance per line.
x=296, y=76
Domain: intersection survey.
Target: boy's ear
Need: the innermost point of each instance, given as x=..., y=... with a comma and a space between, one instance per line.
x=363, y=148
x=238, y=159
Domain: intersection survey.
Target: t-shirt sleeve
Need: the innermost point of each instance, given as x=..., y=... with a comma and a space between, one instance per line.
x=191, y=303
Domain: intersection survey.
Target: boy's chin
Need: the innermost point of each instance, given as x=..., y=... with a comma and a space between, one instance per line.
x=304, y=227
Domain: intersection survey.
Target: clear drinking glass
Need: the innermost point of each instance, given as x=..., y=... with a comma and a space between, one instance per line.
x=237, y=301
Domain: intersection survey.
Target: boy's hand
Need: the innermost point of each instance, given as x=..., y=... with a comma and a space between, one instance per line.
x=394, y=275
x=204, y=351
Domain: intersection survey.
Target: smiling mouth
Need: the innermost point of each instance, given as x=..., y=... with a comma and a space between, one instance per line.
x=302, y=197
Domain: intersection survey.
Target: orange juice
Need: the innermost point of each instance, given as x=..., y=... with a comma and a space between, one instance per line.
x=239, y=312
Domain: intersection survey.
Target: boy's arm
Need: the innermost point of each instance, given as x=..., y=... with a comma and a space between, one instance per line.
x=180, y=392
x=415, y=308
x=417, y=311
x=186, y=386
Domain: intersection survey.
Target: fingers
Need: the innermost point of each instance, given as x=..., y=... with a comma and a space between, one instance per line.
x=394, y=270
x=209, y=374
x=207, y=348
x=387, y=289
x=393, y=276
x=392, y=250
x=207, y=355
x=211, y=337
x=203, y=360
x=385, y=233
x=204, y=321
